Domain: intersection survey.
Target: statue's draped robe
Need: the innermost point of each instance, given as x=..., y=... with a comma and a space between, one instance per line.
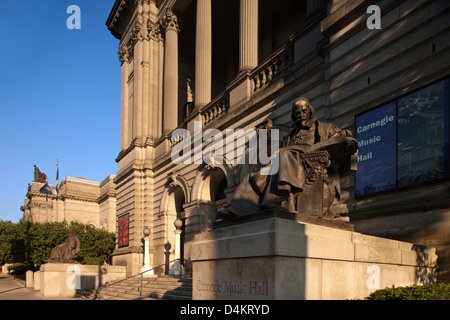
x=259, y=191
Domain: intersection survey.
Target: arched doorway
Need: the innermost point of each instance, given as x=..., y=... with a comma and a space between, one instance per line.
x=211, y=193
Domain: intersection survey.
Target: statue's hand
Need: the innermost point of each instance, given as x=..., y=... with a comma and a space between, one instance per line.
x=351, y=147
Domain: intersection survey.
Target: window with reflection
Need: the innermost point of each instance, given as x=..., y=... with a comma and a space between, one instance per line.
x=404, y=143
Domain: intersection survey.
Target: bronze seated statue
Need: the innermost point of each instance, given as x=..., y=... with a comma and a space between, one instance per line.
x=312, y=158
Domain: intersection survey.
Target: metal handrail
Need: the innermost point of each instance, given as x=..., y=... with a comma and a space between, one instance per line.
x=135, y=275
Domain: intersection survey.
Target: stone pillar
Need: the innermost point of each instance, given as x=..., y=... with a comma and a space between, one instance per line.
x=248, y=37
x=138, y=89
x=145, y=66
x=177, y=268
x=29, y=279
x=170, y=113
x=203, y=56
x=156, y=52
x=124, y=103
x=146, y=268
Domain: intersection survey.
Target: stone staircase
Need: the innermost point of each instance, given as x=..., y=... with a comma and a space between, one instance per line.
x=161, y=288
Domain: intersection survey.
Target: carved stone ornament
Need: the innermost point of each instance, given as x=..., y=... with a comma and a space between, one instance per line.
x=154, y=30
x=172, y=180
x=170, y=21
x=123, y=54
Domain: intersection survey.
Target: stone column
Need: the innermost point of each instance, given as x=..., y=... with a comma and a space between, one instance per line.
x=146, y=268
x=203, y=57
x=248, y=37
x=155, y=110
x=124, y=103
x=170, y=113
x=177, y=268
x=145, y=65
x=138, y=58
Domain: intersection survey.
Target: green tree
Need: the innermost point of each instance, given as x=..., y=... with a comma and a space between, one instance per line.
x=97, y=245
x=439, y=291
x=43, y=237
x=7, y=233
x=31, y=243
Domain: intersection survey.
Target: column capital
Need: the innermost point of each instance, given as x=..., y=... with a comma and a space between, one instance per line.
x=154, y=30
x=169, y=21
x=138, y=32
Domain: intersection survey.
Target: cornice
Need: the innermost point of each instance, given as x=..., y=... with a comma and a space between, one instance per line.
x=106, y=197
x=75, y=198
x=348, y=11
x=63, y=198
x=138, y=143
x=117, y=18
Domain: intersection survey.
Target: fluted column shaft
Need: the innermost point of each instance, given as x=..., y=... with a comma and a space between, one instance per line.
x=124, y=107
x=203, y=57
x=248, y=40
x=170, y=24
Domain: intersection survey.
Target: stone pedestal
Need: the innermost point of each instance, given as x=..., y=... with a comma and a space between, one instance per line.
x=177, y=268
x=67, y=280
x=279, y=258
x=147, y=268
x=29, y=279
x=37, y=280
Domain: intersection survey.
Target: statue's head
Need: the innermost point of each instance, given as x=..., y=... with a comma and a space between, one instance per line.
x=303, y=113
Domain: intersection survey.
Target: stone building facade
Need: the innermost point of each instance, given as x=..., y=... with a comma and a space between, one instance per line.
x=79, y=200
x=240, y=64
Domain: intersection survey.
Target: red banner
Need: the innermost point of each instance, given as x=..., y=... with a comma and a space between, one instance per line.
x=123, y=231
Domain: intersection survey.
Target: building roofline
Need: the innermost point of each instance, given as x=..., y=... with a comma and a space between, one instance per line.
x=113, y=12
x=116, y=15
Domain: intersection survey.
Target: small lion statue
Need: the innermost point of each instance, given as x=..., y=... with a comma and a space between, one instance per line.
x=67, y=251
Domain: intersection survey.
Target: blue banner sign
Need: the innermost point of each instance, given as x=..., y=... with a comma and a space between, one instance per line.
x=377, y=141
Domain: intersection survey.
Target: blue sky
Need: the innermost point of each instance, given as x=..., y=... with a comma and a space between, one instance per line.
x=59, y=95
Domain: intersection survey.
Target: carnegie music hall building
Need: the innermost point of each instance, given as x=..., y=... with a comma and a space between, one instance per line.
x=240, y=64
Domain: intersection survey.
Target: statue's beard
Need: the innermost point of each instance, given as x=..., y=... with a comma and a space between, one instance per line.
x=303, y=122
x=306, y=123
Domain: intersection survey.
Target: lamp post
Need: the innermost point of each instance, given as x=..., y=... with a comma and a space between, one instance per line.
x=146, y=268
x=177, y=268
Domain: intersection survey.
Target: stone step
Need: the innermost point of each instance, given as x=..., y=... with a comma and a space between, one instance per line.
x=150, y=288
x=135, y=295
x=166, y=288
x=146, y=292
x=154, y=284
